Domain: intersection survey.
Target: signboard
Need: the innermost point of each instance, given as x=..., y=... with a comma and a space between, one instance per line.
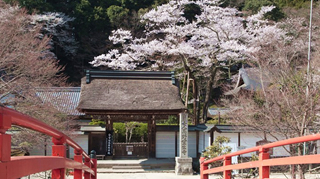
x=129, y=149
x=109, y=143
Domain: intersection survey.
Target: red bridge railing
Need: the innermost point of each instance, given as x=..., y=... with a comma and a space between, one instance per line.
x=264, y=161
x=16, y=167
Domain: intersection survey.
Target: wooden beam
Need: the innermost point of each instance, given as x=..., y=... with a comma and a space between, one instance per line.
x=152, y=138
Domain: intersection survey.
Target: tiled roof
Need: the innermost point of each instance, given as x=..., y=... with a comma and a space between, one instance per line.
x=65, y=99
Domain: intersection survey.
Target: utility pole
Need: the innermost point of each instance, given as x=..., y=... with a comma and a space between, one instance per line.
x=308, y=69
x=309, y=50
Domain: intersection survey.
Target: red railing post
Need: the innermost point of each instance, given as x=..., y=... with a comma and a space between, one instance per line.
x=94, y=168
x=264, y=171
x=203, y=167
x=87, y=162
x=5, y=139
x=227, y=173
x=77, y=174
x=58, y=149
x=93, y=157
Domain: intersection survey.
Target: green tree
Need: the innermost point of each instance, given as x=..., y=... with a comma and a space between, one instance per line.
x=119, y=132
x=118, y=15
x=233, y=3
x=140, y=133
x=255, y=5
x=219, y=147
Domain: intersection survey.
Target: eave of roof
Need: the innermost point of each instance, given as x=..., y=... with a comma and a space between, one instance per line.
x=226, y=128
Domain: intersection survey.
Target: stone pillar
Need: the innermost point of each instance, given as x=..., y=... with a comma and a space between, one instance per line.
x=183, y=162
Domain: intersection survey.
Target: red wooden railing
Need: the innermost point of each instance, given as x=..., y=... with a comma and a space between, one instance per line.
x=16, y=167
x=264, y=161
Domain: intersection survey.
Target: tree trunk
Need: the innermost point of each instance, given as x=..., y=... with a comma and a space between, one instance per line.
x=299, y=168
x=126, y=135
x=127, y=130
x=292, y=167
x=195, y=88
x=206, y=101
x=195, y=103
x=130, y=136
x=208, y=93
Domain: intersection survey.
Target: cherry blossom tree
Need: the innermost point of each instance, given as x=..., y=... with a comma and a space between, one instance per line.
x=57, y=25
x=212, y=39
x=26, y=64
x=26, y=61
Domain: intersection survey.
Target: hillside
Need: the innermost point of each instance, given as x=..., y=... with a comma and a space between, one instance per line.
x=94, y=20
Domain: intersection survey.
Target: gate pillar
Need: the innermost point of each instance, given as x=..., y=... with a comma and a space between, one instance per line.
x=152, y=138
x=183, y=162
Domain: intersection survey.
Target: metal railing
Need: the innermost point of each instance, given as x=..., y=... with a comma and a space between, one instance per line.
x=264, y=163
x=16, y=167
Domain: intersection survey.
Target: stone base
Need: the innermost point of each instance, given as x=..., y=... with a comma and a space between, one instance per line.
x=183, y=166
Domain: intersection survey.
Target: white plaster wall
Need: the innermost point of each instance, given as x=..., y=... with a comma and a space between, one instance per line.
x=249, y=140
x=204, y=141
x=207, y=140
x=82, y=141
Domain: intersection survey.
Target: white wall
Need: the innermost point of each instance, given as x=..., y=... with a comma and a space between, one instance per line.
x=82, y=141
x=207, y=140
x=204, y=141
x=248, y=140
x=165, y=144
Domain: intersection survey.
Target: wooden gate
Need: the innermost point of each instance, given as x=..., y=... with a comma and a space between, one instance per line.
x=132, y=149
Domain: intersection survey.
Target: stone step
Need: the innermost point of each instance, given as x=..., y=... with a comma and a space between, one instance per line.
x=136, y=166
x=104, y=165
x=131, y=167
x=110, y=170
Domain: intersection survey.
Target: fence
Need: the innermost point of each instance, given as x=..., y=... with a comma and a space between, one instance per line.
x=16, y=167
x=134, y=149
x=264, y=161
